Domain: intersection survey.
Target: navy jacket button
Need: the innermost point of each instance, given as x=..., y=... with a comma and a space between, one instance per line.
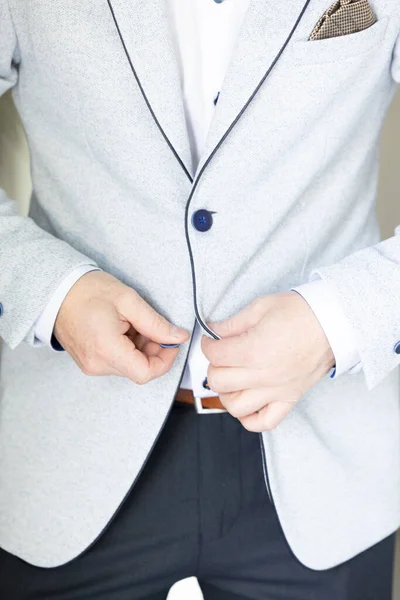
x=397, y=348
x=202, y=220
x=1, y=310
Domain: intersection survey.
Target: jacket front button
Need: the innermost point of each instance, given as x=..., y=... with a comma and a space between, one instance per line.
x=202, y=220
x=1, y=310
x=397, y=348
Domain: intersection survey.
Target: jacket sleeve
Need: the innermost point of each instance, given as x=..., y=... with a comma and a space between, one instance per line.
x=367, y=284
x=32, y=262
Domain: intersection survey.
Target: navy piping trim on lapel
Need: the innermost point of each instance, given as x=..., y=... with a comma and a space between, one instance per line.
x=109, y=2
x=212, y=154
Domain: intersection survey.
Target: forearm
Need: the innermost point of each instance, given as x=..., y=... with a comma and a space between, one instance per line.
x=32, y=265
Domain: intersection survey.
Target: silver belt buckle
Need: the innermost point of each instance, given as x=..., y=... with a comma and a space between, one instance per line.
x=205, y=411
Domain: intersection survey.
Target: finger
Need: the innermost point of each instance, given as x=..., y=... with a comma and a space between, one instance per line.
x=143, y=343
x=233, y=351
x=93, y=368
x=140, y=340
x=135, y=365
x=246, y=402
x=149, y=322
x=224, y=380
x=150, y=348
x=240, y=322
x=93, y=362
x=267, y=418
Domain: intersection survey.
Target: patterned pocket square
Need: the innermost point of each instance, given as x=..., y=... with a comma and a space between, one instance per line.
x=344, y=17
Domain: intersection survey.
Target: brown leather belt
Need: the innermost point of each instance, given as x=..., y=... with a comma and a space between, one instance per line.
x=210, y=403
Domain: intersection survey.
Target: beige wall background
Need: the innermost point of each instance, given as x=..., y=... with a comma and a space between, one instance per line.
x=15, y=178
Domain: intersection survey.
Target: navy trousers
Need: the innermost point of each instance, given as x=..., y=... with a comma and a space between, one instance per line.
x=199, y=508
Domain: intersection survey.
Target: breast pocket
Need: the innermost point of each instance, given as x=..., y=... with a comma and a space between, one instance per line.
x=339, y=48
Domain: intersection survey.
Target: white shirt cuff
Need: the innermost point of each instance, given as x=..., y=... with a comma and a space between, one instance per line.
x=197, y=366
x=45, y=323
x=339, y=331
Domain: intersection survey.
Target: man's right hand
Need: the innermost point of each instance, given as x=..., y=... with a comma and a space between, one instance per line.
x=108, y=329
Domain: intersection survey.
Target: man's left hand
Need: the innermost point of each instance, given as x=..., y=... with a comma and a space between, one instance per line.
x=270, y=354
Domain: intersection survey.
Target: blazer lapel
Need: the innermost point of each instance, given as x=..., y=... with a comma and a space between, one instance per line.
x=266, y=26
x=144, y=31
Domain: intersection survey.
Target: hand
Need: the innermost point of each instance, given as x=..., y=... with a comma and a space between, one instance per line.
x=108, y=329
x=270, y=354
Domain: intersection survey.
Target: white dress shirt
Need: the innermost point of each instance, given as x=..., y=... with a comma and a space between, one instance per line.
x=204, y=33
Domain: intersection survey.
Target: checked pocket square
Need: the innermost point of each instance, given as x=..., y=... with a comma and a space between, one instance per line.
x=343, y=18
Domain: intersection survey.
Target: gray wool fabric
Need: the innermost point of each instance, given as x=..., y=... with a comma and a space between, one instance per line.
x=293, y=187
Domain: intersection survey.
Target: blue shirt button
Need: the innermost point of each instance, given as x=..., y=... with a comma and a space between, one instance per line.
x=1, y=310
x=205, y=384
x=396, y=348
x=202, y=220
x=218, y=1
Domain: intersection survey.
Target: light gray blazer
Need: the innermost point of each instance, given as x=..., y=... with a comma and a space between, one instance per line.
x=293, y=187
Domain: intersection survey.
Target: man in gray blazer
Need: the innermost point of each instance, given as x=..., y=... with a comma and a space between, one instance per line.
x=199, y=375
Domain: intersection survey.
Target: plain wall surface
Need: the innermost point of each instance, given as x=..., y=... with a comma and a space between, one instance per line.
x=14, y=177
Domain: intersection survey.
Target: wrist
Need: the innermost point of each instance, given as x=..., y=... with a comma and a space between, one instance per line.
x=320, y=347
x=95, y=282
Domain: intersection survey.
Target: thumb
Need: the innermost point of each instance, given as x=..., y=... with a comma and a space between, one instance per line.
x=151, y=324
x=239, y=323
